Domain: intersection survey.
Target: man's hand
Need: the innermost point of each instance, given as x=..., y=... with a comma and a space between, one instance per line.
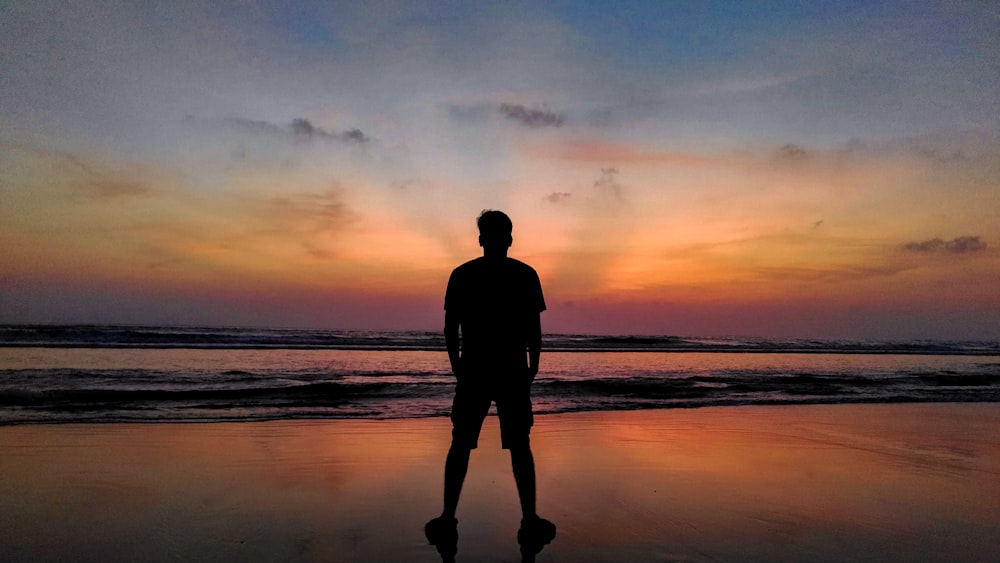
x=458, y=370
x=532, y=372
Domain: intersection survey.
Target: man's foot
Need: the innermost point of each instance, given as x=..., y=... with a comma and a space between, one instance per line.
x=442, y=531
x=536, y=532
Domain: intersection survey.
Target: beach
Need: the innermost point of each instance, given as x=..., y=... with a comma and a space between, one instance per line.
x=901, y=482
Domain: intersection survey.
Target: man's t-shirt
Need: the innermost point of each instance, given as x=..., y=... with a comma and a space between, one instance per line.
x=496, y=302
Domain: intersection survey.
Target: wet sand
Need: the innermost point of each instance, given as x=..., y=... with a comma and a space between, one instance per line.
x=916, y=482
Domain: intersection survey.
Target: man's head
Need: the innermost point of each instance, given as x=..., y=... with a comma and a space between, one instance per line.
x=495, y=230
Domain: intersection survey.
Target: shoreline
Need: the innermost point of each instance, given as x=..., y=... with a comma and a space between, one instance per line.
x=492, y=413
x=870, y=482
x=861, y=351
x=539, y=412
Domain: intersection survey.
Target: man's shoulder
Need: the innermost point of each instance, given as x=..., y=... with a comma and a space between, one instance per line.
x=483, y=263
x=521, y=267
x=469, y=266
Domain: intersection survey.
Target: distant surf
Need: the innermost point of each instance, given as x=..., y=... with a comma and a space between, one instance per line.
x=112, y=336
x=55, y=374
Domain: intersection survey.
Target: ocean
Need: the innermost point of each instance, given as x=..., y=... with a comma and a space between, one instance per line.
x=60, y=374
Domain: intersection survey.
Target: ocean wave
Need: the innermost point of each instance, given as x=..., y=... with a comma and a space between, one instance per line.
x=152, y=337
x=110, y=396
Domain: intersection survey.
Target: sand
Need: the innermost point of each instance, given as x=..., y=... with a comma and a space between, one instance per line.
x=917, y=482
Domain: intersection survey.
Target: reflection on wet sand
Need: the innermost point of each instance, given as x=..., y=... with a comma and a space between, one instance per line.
x=817, y=483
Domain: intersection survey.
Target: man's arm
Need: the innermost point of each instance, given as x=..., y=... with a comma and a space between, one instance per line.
x=534, y=343
x=451, y=341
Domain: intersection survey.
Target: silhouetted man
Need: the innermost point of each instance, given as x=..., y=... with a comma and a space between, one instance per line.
x=494, y=303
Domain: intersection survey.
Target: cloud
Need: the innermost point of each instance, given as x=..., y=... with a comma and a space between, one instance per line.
x=87, y=177
x=303, y=128
x=608, y=184
x=100, y=182
x=534, y=118
x=250, y=125
x=112, y=188
x=519, y=113
x=300, y=129
x=826, y=274
x=959, y=245
x=256, y=229
x=355, y=135
x=307, y=213
x=599, y=236
x=792, y=152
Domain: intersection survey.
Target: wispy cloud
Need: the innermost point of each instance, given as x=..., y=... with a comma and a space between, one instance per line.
x=607, y=184
x=470, y=113
x=89, y=178
x=97, y=183
x=615, y=153
x=959, y=245
x=817, y=274
x=791, y=153
x=600, y=231
x=306, y=219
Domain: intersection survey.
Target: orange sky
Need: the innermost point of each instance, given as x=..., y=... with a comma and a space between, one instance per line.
x=320, y=183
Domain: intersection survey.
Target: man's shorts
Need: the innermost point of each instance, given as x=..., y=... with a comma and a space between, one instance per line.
x=472, y=403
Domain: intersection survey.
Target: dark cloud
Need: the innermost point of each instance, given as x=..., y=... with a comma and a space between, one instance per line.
x=558, y=197
x=303, y=128
x=532, y=117
x=300, y=129
x=959, y=245
x=355, y=135
x=523, y=115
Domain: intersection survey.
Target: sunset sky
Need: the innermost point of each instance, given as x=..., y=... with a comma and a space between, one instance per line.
x=794, y=169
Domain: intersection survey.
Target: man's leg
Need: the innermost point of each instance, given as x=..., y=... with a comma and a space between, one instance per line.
x=535, y=532
x=516, y=420
x=468, y=411
x=442, y=531
x=456, y=465
x=523, y=464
